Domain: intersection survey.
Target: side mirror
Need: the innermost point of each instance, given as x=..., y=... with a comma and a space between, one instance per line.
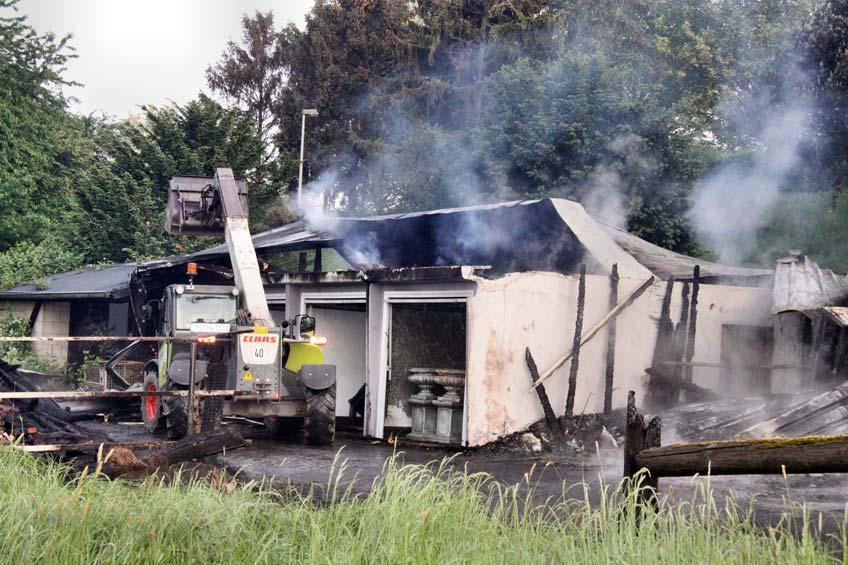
x=307, y=324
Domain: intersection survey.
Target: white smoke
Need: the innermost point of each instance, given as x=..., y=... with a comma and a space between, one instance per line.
x=605, y=195
x=731, y=205
x=360, y=250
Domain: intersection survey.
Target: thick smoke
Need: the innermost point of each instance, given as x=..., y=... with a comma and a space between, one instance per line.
x=730, y=206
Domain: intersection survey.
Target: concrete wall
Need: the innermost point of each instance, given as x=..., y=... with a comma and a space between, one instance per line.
x=539, y=309
x=53, y=320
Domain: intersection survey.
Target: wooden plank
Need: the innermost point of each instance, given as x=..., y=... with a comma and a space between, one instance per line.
x=808, y=454
x=593, y=331
x=93, y=446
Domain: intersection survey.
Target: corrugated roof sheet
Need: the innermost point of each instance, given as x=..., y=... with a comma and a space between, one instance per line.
x=839, y=314
x=108, y=283
x=800, y=284
x=666, y=264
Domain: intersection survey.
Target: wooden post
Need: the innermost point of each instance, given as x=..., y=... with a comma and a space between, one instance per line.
x=550, y=416
x=610, y=368
x=575, y=346
x=633, y=437
x=678, y=349
x=638, y=437
x=657, y=393
x=693, y=324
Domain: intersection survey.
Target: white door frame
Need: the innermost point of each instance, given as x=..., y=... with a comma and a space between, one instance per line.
x=419, y=297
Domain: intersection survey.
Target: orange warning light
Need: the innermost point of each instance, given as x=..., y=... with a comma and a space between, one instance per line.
x=191, y=269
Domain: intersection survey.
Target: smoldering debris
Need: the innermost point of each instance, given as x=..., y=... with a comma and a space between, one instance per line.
x=785, y=415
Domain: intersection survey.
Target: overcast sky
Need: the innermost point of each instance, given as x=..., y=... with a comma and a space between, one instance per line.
x=134, y=52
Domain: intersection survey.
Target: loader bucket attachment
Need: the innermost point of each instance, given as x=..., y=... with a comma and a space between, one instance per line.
x=194, y=207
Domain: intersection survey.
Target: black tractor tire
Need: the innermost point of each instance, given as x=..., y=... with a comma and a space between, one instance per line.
x=319, y=423
x=175, y=410
x=212, y=409
x=151, y=406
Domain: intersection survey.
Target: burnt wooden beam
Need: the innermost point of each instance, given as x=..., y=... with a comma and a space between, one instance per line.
x=33, y=316
x=694, y=393
x=599, y=325
x=659, y=393
x=609, y=372
x=689, y=352
x=575, y=344
x=639, y=436
x=550, y=416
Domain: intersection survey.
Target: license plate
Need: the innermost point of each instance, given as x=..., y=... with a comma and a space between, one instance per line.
x=207, y=328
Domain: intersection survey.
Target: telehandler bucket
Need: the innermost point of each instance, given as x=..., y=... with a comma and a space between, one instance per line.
x=193, y=206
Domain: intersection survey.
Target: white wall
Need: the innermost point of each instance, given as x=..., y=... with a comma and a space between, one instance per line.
x=538, y=310
x=345, y=332
x=54, y=319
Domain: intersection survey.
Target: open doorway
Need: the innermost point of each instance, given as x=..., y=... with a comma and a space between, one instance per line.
x=426, y=345
x=344, y=324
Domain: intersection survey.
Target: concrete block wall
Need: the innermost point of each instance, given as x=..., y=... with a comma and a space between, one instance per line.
x=53, y=320
x=18, y=309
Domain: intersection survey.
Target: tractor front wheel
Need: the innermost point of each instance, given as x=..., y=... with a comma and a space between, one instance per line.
x=175, y=409
x=151, y=406
x=319, y=425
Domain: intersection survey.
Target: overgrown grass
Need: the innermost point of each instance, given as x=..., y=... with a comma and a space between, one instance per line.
x=415, y=515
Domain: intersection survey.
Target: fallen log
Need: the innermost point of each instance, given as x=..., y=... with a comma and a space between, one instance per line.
x=198, y=446
x=599, y=325
x=808, y=454
x=124, y=461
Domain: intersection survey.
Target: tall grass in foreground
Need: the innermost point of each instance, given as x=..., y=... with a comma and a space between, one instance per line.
x=415, y=515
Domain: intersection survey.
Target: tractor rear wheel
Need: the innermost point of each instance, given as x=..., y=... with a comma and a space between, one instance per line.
x=175, y=409
x=151, y=406
x=319, y=425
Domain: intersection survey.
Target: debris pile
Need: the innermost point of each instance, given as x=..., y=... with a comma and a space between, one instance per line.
x=808, y=413
x=40, y=421
x=43, y=425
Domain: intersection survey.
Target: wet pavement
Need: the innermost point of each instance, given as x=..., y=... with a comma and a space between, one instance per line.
x=289, y=463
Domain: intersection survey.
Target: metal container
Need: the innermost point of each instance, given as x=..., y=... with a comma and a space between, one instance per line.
x=193, y=207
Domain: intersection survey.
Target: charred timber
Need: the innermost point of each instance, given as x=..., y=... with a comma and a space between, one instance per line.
x=550, y=415
x=609, y=373
x=575, y=344
x=808, y=454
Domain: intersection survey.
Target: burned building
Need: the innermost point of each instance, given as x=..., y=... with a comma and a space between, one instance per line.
x=436, y=309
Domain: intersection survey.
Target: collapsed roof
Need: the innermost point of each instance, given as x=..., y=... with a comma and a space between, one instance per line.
x=546, y=235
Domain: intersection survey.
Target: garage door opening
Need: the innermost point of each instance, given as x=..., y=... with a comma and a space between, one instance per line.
x=345, y=327
x=425, y=377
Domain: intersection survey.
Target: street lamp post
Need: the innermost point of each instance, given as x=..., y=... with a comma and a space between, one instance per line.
x=306, y=112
